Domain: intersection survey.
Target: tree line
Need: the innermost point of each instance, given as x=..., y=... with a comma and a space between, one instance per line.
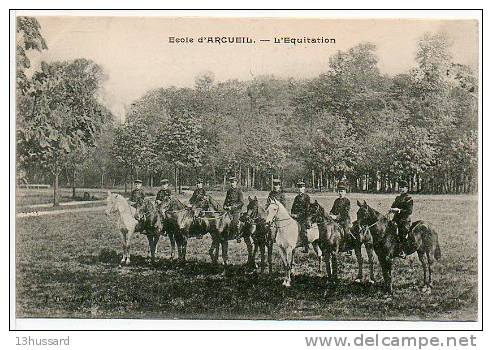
x=351, y=122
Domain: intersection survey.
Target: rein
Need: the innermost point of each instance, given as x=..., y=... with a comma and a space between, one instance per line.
x=367, y=227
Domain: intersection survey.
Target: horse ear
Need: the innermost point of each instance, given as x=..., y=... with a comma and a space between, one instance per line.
x=365, y=203
x=359, y=203
x=256, y=198
x=249, y=198
x=316, y=201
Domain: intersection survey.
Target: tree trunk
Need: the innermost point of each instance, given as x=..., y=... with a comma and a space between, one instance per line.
x=126, y=182
x=56, y=199
x=73, y=182
x=240, y=178
x=254, y=175
x=102, y=179
x=248, y=177
x=175, y=178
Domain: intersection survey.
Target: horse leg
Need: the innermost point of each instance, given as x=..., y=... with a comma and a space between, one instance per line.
x=319, y=254
x=422, y=258
x=386, y=269
x=173, y=244
x=150, y=238
x=225, y=247
x=430, y=261
x=255, y=251
x=283, y=255
x=270, y=252
x=360, y=261
x=212, y=250
x=289, y=259
x=327, y=257
x=129, y=236
x=262, y=257
x=389, y=283
x=123, y=245
x=334, y=266
x=249, y=246
x=183, y=249
x=156, y=241
x=370, y=258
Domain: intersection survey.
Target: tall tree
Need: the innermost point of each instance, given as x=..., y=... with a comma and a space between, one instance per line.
x=63, y=115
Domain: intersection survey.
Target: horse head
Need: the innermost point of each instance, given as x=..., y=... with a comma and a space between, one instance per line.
x=251, y=210
x=272, y=210
x=113, y=203
x=110, y=204
x=364, y=214
x=316, y=213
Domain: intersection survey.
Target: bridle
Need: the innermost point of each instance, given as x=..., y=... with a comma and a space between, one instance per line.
x=366, y=228
x=276, y=220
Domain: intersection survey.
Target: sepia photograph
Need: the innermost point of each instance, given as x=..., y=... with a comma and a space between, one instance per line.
x=246, y=168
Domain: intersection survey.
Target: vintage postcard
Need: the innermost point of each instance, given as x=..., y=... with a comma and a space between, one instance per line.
x=246, y=168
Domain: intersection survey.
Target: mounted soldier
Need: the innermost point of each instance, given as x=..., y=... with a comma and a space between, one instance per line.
x=233, y=204
x=199, y=197
x=340, y=213
x=137, y=197
x=136, y=200
x=163, y=197
x=277, y=193
x=300, y=211
x=403, y=208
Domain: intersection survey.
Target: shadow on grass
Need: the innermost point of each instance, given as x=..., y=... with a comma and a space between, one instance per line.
x=238, y=276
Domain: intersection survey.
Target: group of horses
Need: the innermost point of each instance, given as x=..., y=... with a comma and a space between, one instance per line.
x=261, y=227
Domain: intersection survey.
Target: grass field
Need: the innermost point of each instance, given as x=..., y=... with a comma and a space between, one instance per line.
x=67, y=266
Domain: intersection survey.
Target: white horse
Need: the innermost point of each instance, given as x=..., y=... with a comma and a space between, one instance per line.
x=123, y=215
x=287, y=232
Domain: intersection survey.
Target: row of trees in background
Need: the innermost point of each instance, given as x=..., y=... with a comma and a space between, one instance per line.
x=350, y=122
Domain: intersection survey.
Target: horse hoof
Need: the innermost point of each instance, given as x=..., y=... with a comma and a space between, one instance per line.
x=128, y=262
x=371, y=281
x=358, y=280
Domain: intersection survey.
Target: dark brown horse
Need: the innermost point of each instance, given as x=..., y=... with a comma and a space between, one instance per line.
x=363, y=238
x=263, y=236
x=330, y=239
x=422, y=239
x=181, y=223
x=219, y=225
x=150, y=224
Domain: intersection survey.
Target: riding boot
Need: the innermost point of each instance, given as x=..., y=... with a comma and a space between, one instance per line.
x=401, y=248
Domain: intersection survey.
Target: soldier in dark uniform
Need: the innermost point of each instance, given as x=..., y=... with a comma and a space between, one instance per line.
x=403, y=208
x=300, y=210
x=199, y=197
x=163, y=197
x=233, y=203
x=136, y=200
x=340, y=212
x=276, y=193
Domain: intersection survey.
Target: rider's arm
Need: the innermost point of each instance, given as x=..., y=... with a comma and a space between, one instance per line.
x=407, y=207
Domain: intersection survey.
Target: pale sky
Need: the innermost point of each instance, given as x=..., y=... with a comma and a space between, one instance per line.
x=136, y=54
